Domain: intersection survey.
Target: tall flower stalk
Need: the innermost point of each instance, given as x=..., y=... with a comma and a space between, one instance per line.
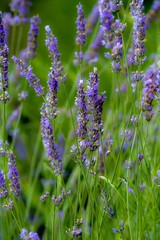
x=80, y=34
x=55, y=161
x=137, y=52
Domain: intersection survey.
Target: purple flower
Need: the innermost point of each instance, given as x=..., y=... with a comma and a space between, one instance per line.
x=13, y=117
x=78, y=57
x=76, y=232
x=32, y=37
x=31, y=236
x=92, y=19
x=22, y=96
x=57, y=201
x=3, y=188
x=82, y=117
x=8, y=205
x=139, y=31
x=140, y=157
x=95, y=107
x=92, y=55
x=13, y=175
x=22, y=7
x=151, y=83
x=4, y=51
x=52, y=45
x=153, y=12
x=107, y=21
x=115, y=5
x=44, y=196
x=49, y=143
x=2, y=33
x=81, y=26
x=7, y=21
x=112, y=32
x=26, y=71
x=23, y=234
x=4, y=66
x=115, y=230
x=130, y=190
x=141, y=187
x=51, y=96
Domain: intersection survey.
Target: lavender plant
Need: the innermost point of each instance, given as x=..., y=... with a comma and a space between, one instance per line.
x=79, y=155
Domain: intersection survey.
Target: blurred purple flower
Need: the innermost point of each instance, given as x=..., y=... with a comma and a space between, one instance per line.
x=21, y=7
x=13, y=175
x=130, y=190
x=32, y=37
x=26, y=71
x=28, y=236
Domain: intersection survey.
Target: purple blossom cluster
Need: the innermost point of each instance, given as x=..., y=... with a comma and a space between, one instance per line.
x=76, y=230
x=32, y=37
x=3, y=188
x=92, y=54
x=137, y=52
x=55, y=76
x=95, y=107
x=57, y=201
x=153, y=12
x=13, y=175
x=26, y=71
x=81, y=34
x=112, y=32
x=92, y=19
x=82, y=116
x=54, y=54
x=81, y=26
x=49, y=143
x=151, y=87
x=21, y=7
x=4, y=51
x=28, y=236
x=89, y=117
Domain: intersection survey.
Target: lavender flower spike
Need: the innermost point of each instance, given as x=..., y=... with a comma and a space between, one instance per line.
x=52, y=45
x=81, y=34
x=32, y=37
x=81, y=25
x=26, y=71
x=153, y=12
x=22, y=7
x=82, y=117
x=4, y=51
x=3, y=189
x=25, y=235
x=13, y=175
x=49, y=143
x=2, y=33
x=51, y=96
x=151, y=83
x=139, y=32
x=4, y=66
x=92, y=54
x=92, y=19
x=95, y=106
